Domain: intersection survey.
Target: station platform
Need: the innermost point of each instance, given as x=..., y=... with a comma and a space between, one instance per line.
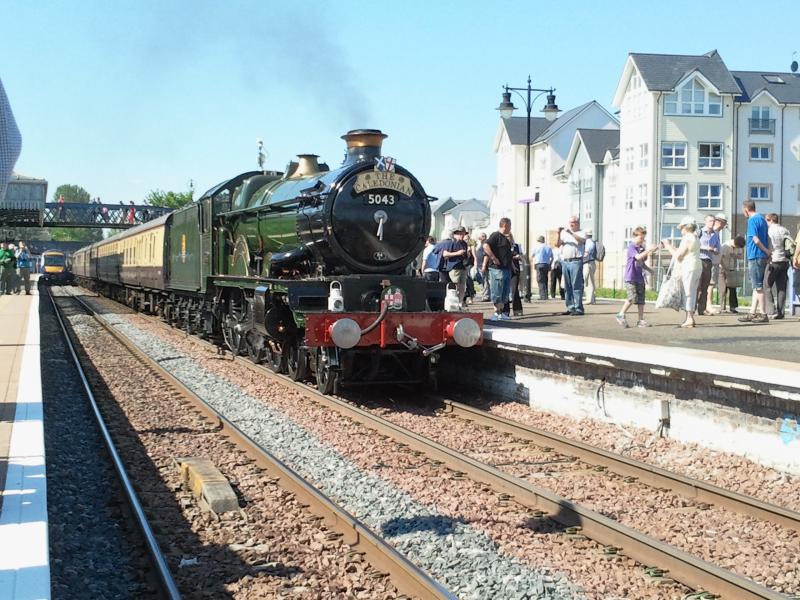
x=776, y=340
x=24, y=555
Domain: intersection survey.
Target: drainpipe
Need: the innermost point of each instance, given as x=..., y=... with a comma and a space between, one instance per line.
x=783, y=151
x=735, y=170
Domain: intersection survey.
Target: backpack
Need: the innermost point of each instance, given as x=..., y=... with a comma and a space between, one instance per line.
x=789, y=247
x=600, y=251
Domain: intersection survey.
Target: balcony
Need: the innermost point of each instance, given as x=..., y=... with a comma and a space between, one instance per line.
x=762, y=126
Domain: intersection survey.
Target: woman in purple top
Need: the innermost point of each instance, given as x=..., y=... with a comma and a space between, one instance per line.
x=634, y=277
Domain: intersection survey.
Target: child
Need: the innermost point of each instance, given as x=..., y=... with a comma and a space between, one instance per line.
x=634, y=276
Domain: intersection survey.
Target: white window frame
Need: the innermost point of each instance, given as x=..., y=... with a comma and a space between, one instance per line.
x=629, y=198
x=712, y=202
x=767, y=147
x=629, y=160
x=757, y=113
x=672, y=197
x=670, y=231
x=710, y=158
x=643, y=195
x=692, y=99
x=643, y=155
x=672, y=157
x=761, y=187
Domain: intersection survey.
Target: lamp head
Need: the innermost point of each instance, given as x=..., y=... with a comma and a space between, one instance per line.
x=506, y=107
x=550, y=109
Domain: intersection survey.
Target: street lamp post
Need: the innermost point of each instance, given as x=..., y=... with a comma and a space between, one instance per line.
x=550, y=111
x=660, y=233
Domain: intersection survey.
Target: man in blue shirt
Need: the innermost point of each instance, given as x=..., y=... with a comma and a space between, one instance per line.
x=710, y=247
x=455, y=257
x=542, y=257
x=757, y=254
x=24, y=266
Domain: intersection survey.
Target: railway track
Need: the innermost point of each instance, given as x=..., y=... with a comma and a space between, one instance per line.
x=168, y=586
x=709, y=579
x=626, y=467
x=409, y=579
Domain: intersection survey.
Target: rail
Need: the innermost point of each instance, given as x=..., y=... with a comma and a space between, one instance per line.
x=168, y=584
x=647, y=474
x=682, y=566
x=409, y=578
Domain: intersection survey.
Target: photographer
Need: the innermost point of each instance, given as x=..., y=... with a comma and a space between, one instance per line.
x=571, y=240
x=455, y=255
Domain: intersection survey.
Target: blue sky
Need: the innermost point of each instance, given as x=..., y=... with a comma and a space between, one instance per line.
x=124, y=97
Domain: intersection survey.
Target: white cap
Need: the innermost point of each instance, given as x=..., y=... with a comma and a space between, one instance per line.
x=587, y=231
x=687, y=221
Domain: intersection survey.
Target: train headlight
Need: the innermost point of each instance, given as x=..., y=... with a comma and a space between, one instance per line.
x=465, y=332
x=345, y=333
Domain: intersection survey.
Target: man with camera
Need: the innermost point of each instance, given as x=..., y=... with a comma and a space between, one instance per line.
x=571, y=241
x=455, y=255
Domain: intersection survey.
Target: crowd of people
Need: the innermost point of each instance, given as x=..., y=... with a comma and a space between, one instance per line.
x=701, y=265
x=15, y=268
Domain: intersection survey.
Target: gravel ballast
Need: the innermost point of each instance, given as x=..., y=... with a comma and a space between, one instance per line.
x=463, y=559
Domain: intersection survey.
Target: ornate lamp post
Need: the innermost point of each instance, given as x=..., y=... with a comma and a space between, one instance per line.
x=550, y=111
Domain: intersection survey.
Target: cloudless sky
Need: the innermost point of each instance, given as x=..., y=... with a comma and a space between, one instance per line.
x=127, y=96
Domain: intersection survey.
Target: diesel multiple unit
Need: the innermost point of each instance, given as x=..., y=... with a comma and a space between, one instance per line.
x=307, y=270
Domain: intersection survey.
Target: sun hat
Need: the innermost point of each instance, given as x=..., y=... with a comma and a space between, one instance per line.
x=687, y=222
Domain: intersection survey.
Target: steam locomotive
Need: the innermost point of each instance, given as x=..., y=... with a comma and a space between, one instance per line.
x=305, y=271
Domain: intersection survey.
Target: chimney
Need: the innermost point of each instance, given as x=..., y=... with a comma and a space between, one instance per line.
x=363, y=145
x=306, y=166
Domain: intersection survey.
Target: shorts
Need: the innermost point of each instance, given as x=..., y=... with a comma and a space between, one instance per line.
x=755, y=269
x=635, y=291
x=500, y=285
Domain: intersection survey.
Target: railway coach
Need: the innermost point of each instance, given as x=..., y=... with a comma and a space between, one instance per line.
x=305, y=270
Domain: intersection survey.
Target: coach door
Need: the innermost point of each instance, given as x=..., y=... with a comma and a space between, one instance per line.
x=206, y=256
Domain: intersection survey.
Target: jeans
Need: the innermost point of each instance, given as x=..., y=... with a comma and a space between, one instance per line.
x=500, y=285
x=573, y=280
x=542, y=271
x=514, y=300
x=777, y=275
x=755, y=269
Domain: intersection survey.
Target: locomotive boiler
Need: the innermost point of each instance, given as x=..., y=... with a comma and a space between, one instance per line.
x=306, y=270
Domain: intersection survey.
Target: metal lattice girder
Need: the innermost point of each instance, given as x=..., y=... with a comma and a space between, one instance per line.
x=114, y=216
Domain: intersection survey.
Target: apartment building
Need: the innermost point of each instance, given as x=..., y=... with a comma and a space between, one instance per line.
x=768, y=144
x=547, y=197
x=694, y=138
x=698, y=139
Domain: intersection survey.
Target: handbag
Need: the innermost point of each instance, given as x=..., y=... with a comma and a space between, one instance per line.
x=671, y=293
x=733, y=278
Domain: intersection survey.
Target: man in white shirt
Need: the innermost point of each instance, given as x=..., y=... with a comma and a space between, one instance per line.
x=778, y=269
x=571, y=240
x=429, y=273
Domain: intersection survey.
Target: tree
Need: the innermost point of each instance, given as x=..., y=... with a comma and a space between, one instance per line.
x=73, y=194
x=169, y=199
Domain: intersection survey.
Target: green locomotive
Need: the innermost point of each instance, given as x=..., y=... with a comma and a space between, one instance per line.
x=307, y=270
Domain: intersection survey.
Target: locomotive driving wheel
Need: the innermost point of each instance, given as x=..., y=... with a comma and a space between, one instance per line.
x=276, y=357
x=296, y=360
x=327, y=375
x=256, y=347
x=234, y=324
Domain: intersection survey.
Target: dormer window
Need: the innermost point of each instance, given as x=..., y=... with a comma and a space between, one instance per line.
x=692, y=100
